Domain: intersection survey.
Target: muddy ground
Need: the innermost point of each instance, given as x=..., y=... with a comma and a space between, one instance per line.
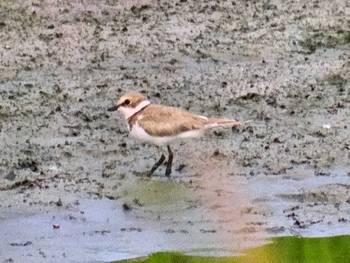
x=68, y=169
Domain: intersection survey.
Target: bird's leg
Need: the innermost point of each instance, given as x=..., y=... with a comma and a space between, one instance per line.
x=157, y=164
x=169, y=163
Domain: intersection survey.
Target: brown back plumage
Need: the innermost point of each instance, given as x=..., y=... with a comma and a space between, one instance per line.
x=159, y=120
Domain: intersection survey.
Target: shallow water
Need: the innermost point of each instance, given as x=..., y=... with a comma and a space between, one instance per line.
x=206, y=216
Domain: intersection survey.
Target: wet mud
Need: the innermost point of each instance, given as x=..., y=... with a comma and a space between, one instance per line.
x=69, y=170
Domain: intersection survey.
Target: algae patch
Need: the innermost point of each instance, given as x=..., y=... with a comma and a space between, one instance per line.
x=281, y=249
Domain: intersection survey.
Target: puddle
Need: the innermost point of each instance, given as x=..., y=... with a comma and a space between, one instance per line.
x=319, y=203
x=209, y=215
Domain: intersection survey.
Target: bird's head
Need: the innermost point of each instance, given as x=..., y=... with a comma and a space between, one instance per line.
x=130, y=103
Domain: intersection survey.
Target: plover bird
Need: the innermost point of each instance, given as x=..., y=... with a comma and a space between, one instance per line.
x=161, y=125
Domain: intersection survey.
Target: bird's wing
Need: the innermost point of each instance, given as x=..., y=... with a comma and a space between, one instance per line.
x=214, y=122
x=158, y=120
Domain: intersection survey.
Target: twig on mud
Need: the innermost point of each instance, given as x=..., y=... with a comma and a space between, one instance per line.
x=25, y=182
x=72, y=126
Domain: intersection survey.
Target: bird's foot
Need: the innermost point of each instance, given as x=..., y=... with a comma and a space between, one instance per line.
x=168, y=172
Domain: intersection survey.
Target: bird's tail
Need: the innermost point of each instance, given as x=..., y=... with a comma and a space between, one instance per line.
x=215, y=122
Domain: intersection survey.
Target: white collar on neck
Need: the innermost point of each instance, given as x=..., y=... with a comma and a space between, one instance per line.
x=128, y=112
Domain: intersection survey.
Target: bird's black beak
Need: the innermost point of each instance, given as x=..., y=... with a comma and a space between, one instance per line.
x=114, y=108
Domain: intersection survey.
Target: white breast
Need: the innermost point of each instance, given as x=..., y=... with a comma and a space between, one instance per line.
x=140, y=134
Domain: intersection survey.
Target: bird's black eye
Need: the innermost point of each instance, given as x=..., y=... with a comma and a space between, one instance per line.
x=126, y=102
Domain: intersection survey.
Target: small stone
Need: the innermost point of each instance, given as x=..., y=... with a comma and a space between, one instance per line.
x=10, y=176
